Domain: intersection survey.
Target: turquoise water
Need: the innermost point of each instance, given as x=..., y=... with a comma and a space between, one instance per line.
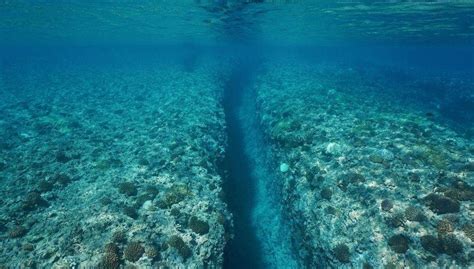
x=236, y=134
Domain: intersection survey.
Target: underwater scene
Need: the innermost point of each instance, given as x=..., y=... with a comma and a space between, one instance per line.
x=236, y=134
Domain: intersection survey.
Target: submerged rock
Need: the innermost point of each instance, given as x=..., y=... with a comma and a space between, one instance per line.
x=177, y=243
x=468, y=230
x=128, y=188
x=33, y=201
x=413, y=213
x=130, y=211
x=432, y=244
x=441, y=204
x=342, y=253
x=399, y=243
x=198, y=226
x=448, y=244
x=452, y=245
x=460, y=191
x=326, y=193
x=386, y=205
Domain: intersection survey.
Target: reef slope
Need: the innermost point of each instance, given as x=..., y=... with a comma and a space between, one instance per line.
x=369, y=179
x=108, y=166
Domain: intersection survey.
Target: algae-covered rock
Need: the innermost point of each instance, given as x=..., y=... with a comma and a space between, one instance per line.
x=386, y=205
x=177, y=243
x=460, y=191
x=326, y=193
x=33, y=201
x=399, y=243
x=198, y=226
x=468, y=230
x=441, y=204
x=130, y=211
x=342, y=253
x=432, y=244
x=413, y=213
x=347, y=179
x=452, y=245
x=448, y=244
x=128, y=188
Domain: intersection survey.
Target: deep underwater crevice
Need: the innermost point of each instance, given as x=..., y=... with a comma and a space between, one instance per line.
x=244, y=250
x=261, y=234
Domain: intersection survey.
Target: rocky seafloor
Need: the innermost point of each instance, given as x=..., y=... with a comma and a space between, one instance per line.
x=107, y=167
x=121, y=166
x=368, y=179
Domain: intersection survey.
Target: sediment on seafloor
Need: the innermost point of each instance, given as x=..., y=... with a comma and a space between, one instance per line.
x=112, y=166
x=369, y=181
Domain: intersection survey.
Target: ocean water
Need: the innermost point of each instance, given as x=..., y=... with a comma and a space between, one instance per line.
x=236, y=134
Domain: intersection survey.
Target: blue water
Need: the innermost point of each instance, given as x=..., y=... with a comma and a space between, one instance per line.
x=236, y=134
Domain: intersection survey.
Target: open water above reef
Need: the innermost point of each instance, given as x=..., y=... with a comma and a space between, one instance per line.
x=236, y=134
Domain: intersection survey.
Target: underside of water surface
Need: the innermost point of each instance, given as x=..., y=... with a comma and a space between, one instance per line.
x=237, y=134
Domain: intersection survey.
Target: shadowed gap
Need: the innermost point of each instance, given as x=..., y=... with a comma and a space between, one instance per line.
x=244, y=251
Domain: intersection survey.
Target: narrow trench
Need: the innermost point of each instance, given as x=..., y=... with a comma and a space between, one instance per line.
x=261, y=238
x=244, y=250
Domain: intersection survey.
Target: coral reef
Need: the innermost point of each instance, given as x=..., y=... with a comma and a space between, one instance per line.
x=128, y=188
x=198, y=226
x=452, y=245
x=367, y=167
x=432, y=244
x=133, y=251
x=33, y=201
x=96, y=150
x=441, y=205
x=399, y=243
x=180, y=246
x=342, y=253
x=111, y=259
